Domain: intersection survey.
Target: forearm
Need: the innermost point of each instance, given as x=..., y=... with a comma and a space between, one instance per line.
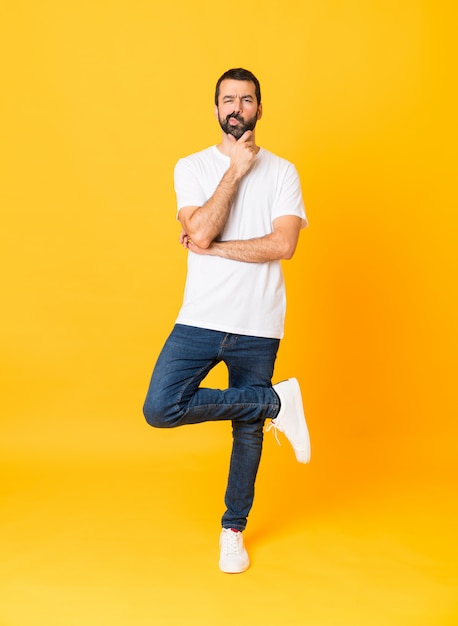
x=257, y=250
x=206, y=222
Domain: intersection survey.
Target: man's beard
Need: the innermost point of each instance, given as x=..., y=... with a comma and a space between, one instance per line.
x=238, y=130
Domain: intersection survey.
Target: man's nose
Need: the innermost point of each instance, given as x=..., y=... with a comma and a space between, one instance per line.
x=238, y=105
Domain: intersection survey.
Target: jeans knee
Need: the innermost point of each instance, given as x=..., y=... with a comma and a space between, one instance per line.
x=159, y=415
x=153, y=415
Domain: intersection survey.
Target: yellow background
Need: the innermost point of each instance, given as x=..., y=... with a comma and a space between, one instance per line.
x=106, y=521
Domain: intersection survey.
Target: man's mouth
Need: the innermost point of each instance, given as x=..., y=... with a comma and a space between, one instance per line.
x=233, y=120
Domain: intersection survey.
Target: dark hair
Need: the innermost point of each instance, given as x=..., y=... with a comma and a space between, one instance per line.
x=239, y=74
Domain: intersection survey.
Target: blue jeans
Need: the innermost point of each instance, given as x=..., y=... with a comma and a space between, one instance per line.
x=175, y=398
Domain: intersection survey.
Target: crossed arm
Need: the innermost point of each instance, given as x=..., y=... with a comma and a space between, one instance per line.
x=279, y=244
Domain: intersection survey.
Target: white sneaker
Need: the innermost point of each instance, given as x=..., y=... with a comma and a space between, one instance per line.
x=291, y=419
x=233, y=557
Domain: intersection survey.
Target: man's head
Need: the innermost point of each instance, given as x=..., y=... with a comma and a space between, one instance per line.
x=239, y=74
x=238, y=101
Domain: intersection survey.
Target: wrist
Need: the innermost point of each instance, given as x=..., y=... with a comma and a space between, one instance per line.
x=234, y=174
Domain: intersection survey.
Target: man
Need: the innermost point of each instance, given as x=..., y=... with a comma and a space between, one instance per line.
x=241, y=212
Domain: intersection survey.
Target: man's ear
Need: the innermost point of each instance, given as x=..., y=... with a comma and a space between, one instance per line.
x=259, y=111
x=216, y=112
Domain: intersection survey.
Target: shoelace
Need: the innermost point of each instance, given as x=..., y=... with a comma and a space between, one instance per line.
x=232, y=543
x=275, y=427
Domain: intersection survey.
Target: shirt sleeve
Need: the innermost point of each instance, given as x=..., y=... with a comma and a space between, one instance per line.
x=189, y=191
x=289, y=199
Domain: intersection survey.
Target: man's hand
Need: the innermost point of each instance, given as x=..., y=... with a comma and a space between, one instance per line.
x=243, y=152
x=188, y=244
x=184, y=239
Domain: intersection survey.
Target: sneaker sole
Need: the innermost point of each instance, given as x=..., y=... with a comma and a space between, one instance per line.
x=228, y=570
x=303, y=455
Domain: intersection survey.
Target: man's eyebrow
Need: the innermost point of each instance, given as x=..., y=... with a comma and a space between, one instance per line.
x=232, y=96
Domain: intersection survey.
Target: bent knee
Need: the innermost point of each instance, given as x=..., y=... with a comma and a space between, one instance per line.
x=157, y=416
x=152, y=417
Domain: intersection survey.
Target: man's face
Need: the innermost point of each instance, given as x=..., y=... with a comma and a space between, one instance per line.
x=238, y=109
